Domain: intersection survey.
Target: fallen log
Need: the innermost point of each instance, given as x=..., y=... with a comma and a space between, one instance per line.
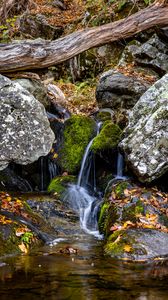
x=35, y=54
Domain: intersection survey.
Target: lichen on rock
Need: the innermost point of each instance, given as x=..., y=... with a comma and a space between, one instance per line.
x=25, y=130
x=145, y=140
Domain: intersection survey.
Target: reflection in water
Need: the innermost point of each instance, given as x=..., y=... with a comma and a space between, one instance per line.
x=88, y=275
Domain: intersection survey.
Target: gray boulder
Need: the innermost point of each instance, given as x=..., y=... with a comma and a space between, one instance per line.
x=25, y=130
x=146, y=137
x=36, y=88
x=116, y=90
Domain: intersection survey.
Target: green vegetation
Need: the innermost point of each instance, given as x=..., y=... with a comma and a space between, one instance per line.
x=119, y=189
x=59, y=184
x=119, y=243
x=77, y=134
x=108, y=138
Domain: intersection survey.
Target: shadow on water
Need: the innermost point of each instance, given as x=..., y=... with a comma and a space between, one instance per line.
x=87, y=275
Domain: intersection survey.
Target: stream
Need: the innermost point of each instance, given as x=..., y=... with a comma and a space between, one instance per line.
x=74, y=266
x=88, y=274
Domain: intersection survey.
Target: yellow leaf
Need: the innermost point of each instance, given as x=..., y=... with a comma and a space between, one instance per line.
x=127, y=248
x=55, y=155
x=128, y=223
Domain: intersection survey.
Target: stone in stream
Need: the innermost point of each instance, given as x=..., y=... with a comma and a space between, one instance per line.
x=145, y=142
x=25, y=130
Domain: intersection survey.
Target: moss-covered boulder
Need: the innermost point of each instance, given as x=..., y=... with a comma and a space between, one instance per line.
x=134, y=222
x=108, y=137
x=59, y=184
x=77, y=134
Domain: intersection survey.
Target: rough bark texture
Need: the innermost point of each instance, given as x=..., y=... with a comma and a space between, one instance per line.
x=41, y=53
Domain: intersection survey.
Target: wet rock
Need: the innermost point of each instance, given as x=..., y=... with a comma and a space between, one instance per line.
x=57, y=213
x=10, y=181
x=37, y=26
x=25, y=130
x=36, y=88
x=146, y=143
x=116, y=90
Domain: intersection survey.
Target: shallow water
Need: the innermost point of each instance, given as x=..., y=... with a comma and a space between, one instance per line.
x=87, y=275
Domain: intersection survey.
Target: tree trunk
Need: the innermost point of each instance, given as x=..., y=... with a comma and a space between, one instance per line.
x=36, y=54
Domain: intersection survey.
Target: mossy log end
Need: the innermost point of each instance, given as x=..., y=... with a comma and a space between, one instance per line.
x=26, y=55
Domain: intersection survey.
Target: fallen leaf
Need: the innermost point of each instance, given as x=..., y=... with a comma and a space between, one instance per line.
x=23, y=248
x=127, y=248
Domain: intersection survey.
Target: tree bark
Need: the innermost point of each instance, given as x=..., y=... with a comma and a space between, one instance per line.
x=26, y=55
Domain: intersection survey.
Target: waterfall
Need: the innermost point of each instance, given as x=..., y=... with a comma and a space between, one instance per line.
x=120, y=165
x=48, y=169
x=83, y=201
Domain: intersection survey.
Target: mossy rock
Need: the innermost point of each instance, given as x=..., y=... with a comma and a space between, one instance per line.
x=108, y=137
x=59, y=184
x=103, y=116
x=120, y=187
x=107, y=217
x=77, y=133
x=137, y=244
x=8, y=240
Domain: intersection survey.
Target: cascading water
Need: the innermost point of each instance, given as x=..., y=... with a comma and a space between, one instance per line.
x=120, y=166
x=83, y=201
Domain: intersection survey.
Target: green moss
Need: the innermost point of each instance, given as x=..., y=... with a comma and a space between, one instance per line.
x=108, y=216
x=8, y=240
x=119, y=189
x=78, y=131
x=131, y=210
x=108, y=138
x=59, y=184
x=119, y=243
x=102, y=217
x=103, y=116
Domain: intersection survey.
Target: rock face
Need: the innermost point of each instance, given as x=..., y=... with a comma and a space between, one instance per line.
x=116, y=90
x=146, y=137
x=25, y=131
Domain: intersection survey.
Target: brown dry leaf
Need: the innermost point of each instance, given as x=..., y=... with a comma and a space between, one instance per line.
x=113, y=195
x=115, y=227
x=126, y=192
x=117, y=239
x=23, y=248
x=128, y=224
